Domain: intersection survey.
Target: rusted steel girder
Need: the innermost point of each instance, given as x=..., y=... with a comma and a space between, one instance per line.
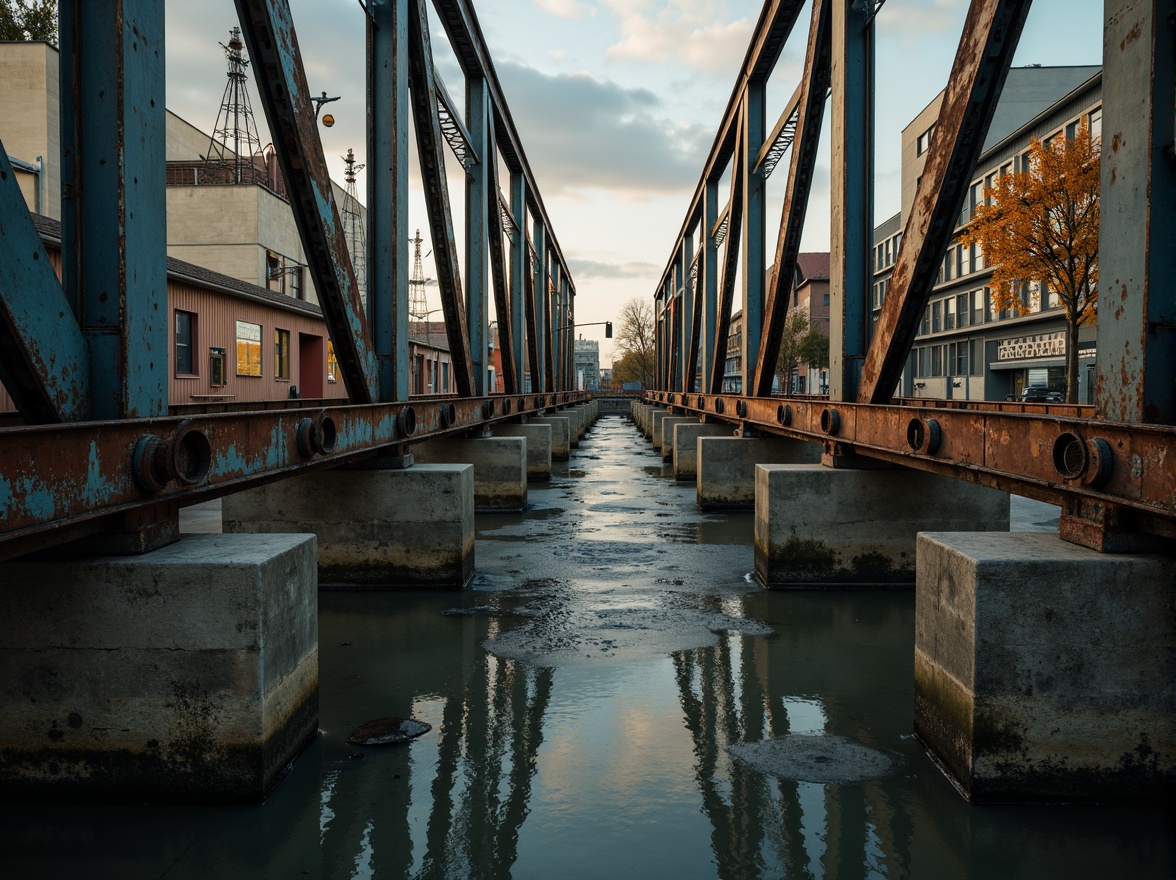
x=60, y=479
x=990, y=36
x=532, y=319
x=44, y=362
x=730, y=267
x=1064, y=460
x=499, y=269
x=281, y=82
x=430, y=151
x=810, y=112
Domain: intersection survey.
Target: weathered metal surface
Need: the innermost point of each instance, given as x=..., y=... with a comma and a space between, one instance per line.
x=990, y=36
x=1137, y=260
x=481, y=203
x=851, y=184
x=755, y=226
x=387, y=193
x=730, y=268
x=1051, y=459
x=53, y=478
x=114, y=240
x=810, y=111
x=520, y=256
x=499, y=272
x=709, y=275
x=532, y=321
x=44, y=362
x=432, y=159
x=281, y=82
x=539, y=380
x=464, y=143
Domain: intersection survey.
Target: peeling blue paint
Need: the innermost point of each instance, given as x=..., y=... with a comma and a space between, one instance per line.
x=5, y=499
x=97, y=489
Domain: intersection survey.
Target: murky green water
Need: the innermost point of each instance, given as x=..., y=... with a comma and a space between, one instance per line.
x=582, y=696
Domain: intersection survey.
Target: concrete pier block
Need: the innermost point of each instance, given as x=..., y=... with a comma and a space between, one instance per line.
x=577, y=423
x=188, y=674
x=538, y=439
x=1043, y=670
x=667, y=434
x=686, y=437
x=561, y=439
x=826, y=527
x=641, y=415
x=500, y=467
x=655, y=420
x=726, y=466
x=377, y=529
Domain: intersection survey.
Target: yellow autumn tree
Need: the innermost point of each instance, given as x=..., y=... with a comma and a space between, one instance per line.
x=1041, y=225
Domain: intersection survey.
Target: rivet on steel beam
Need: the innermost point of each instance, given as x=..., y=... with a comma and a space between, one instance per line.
x=326, y=435
x=189, y=455
x=304, y=438
x=1101, y=463
x=831, y=421
x=784, y=414
x=1069, y=455
x=924, y=436
x=406, y=421
x=448, y=415
x=147, y=465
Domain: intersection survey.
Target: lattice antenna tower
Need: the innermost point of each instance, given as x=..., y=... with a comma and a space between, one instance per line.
x=418, y=304
x=235, y=140
x=353, y=230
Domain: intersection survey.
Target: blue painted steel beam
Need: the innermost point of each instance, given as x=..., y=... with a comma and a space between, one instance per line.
x=686, y=359
x=114, y=238
x=1137, y=256
x=852, y=214
x=281, y=82
x=986, y=49
x=500, y=267
x=519, y=257
x=478, y=198
x=387, y=193
x=44, y=360
x=755, y=226
x=539, y=376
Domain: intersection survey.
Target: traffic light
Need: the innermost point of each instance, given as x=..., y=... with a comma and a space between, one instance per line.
x=608, y=329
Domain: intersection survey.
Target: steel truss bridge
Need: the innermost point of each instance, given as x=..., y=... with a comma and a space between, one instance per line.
x=85, y=359
x=1115, y=474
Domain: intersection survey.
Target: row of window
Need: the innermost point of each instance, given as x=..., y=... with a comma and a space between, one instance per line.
x=962, y=358
x=248, y=349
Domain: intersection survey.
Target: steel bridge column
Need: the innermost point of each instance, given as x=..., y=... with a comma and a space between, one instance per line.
x=114, y=231
x=387, y=193
x=518, y=268
x=754, y=228
x=477, y=203
x=539, y=383
x=710, y=280
x=1137, y=331
x=851, y=239
x=686, y=258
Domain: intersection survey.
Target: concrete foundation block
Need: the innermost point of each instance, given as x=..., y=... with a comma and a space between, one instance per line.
x=686, y=436
x=725, y=476
x=561, y=438
x=667, y=433
x=500, y=467
x=538, y=439
x=827, y=527
x=655, y=420
x=577, y=423
x=377, y=529
x=188, y=674
x=1044, y=671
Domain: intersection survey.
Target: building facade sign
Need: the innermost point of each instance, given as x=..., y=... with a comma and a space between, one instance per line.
x=1041, y=345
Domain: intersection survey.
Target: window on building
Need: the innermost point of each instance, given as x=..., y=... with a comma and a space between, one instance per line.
x=332, y=363
x=978, y=306
x=925, y=324
x=966, y=260
x=248, y=349
x=294, y=287
x=962, y=310
x=937, y=360
x=936, y=316
x=989, y=183
x=445, y=377
x=825, y=299
x=976, y=356
x=1072, y=130
x=1096, y=124
x=923, y=142
x=281, y=354
x=921, y=369
x=960, y=351
x=273, y=271
x=185, y=343
x=949, y=314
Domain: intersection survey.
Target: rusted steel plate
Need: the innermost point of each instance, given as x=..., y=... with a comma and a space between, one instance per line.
x=1052, y=457
x=54, y=477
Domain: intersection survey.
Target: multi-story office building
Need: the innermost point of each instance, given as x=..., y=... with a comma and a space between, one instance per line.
x=965, y=347
x=587, y=365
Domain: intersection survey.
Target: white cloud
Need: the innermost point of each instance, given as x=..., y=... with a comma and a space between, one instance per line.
x=687, y=32
x=575, y=9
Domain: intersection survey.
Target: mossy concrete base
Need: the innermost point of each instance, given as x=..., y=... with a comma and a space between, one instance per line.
x=1043, y=670
x=833, y=527
x=188, y=674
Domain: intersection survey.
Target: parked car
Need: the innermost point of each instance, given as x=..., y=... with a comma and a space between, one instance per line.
x=1040, y=394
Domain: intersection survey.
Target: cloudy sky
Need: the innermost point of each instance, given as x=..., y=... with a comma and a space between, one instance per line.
x=617, y=103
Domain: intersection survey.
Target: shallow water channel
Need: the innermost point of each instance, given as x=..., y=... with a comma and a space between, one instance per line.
x=588, y=696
